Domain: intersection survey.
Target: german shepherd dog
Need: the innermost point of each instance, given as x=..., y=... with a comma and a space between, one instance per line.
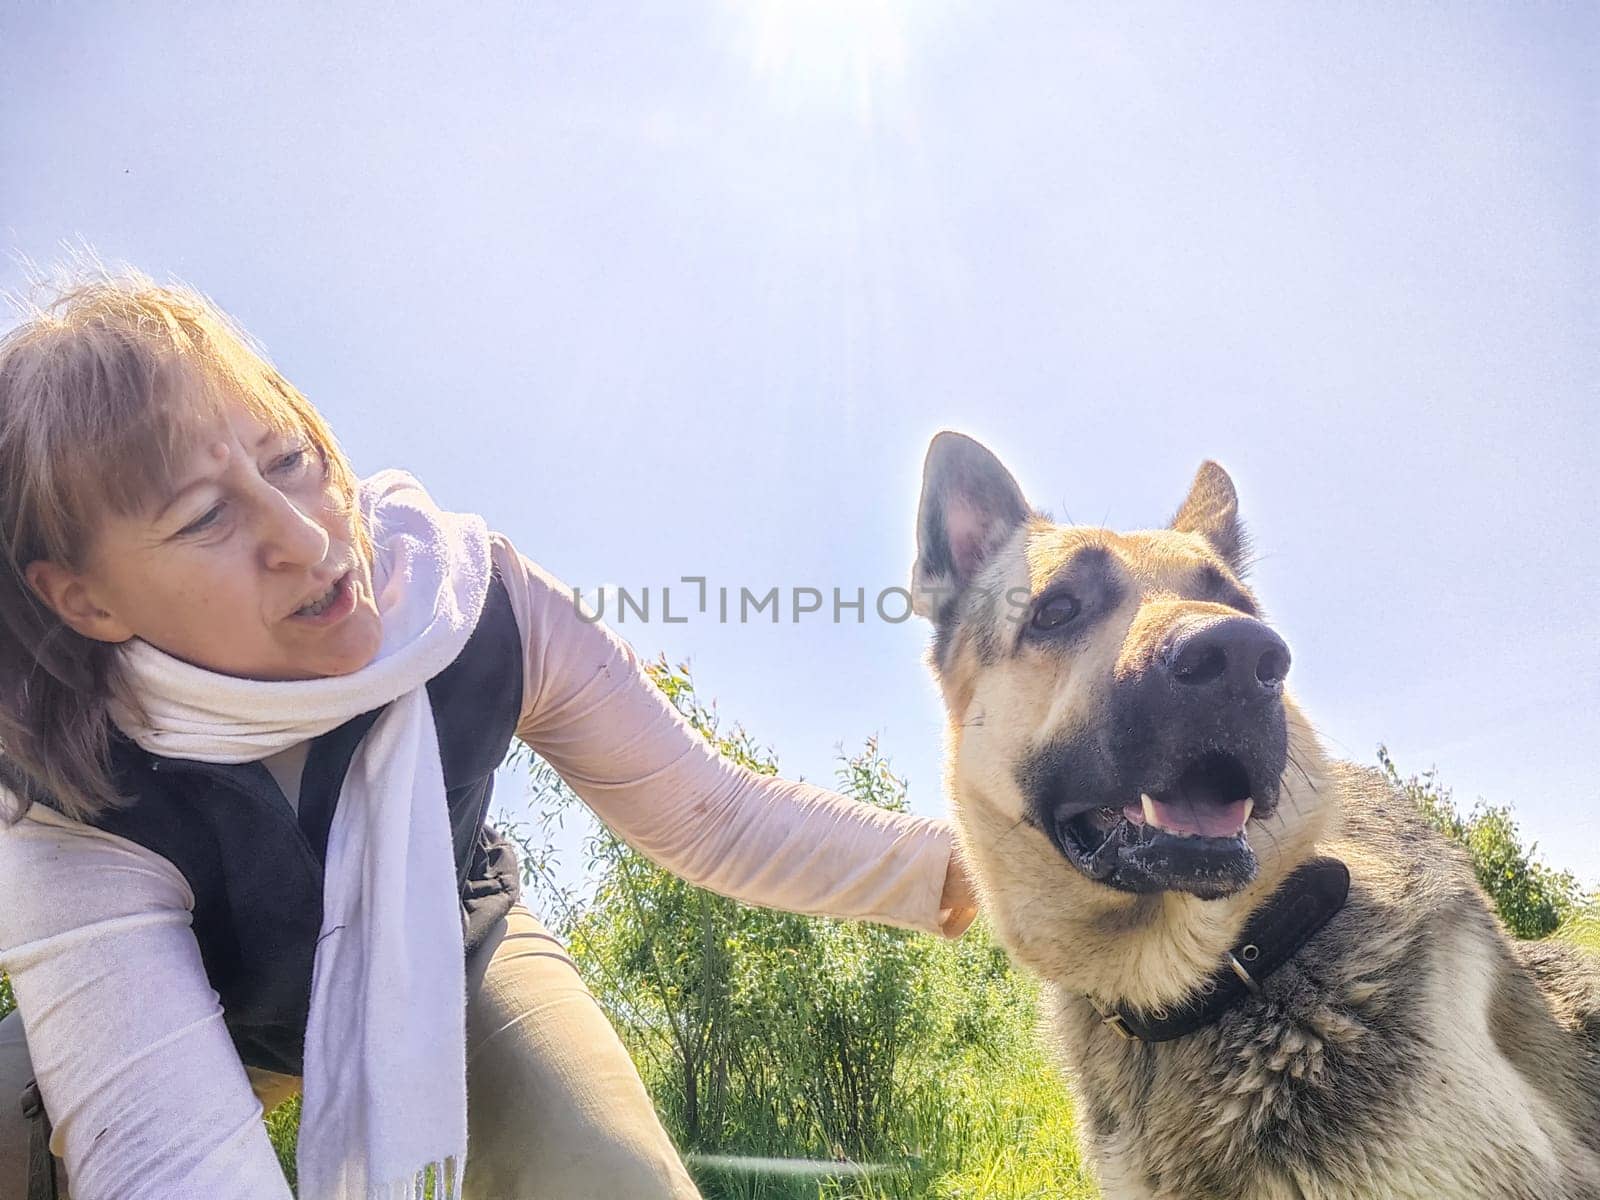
x=1266, y=976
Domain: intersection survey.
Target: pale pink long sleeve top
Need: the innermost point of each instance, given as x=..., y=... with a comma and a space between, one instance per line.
x=148, y=1095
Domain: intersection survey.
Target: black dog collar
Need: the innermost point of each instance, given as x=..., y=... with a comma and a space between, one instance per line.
x=1304, y=903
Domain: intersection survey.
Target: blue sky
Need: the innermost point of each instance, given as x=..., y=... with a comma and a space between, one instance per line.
x=685, y=289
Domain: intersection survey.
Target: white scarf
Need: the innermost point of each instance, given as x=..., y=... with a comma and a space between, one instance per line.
x=385, y=1052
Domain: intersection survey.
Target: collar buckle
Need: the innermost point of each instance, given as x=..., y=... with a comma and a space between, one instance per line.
x=1117, y=1025
x=1272, y=936
x=1113, y=1020
x=1245, y=977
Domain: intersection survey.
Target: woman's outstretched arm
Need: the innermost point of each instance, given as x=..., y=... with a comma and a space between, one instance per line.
x=592, y=712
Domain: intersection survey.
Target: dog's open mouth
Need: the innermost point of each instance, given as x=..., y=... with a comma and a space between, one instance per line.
x=1187, y=837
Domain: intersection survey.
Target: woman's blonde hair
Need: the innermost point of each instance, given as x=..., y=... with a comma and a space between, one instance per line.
x=104, y=385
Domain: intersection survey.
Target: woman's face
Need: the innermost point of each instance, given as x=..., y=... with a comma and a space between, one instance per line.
x=219, y=573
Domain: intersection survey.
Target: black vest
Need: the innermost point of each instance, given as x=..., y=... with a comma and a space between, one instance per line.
x=255, y=866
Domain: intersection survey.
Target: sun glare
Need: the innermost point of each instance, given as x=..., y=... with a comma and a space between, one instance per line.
x=827, y=52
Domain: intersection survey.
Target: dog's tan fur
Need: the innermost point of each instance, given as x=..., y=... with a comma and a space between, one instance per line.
x=1390, y=1058
x=1146, y=950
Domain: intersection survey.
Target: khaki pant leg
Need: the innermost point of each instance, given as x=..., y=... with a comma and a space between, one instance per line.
x=556, y=1108
x=16, y=1069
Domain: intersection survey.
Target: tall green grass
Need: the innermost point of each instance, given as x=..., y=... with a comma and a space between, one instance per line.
x=997, y=1129
x=1583, y=927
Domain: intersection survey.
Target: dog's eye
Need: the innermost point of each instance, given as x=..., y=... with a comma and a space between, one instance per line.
x=1055, y=611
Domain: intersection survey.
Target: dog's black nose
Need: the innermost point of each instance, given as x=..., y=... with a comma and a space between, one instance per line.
x=1238, y=655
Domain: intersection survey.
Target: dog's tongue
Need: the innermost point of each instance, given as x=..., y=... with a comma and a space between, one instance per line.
x=1186, y=816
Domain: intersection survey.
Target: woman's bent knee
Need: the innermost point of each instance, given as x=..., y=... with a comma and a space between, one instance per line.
x=556, y=1107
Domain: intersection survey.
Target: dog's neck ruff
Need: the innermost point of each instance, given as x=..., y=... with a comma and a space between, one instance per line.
x=1303, y=904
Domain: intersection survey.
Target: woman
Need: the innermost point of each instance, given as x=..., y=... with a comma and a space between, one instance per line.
x=251, y=708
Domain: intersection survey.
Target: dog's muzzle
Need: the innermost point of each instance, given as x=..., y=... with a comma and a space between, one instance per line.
x=1193, y=750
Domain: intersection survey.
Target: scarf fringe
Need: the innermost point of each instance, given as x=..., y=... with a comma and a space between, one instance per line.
x=439, y=1180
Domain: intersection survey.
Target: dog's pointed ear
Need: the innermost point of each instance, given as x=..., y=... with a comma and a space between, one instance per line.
x=970, y=506
x=1212, y=511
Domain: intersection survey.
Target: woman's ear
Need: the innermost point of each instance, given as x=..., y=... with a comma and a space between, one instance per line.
x=72, y=598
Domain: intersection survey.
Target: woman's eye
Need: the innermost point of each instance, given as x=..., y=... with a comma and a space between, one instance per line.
x=204, y=522
x=1055, y=612
x=290, y=462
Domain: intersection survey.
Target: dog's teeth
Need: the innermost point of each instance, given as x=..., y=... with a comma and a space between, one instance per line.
x=1249, y=807
x=1149, y=806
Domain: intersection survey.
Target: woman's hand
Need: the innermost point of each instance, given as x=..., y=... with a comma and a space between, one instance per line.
x=958, y=903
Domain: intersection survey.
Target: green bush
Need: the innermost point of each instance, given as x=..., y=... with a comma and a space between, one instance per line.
x=1533, y=899
x=7, y=1000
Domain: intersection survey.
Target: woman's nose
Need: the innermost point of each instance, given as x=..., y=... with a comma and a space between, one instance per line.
x=290, y=536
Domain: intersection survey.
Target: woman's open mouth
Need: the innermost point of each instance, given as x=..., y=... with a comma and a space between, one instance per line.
x=337, y=602
x=1189, y=837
